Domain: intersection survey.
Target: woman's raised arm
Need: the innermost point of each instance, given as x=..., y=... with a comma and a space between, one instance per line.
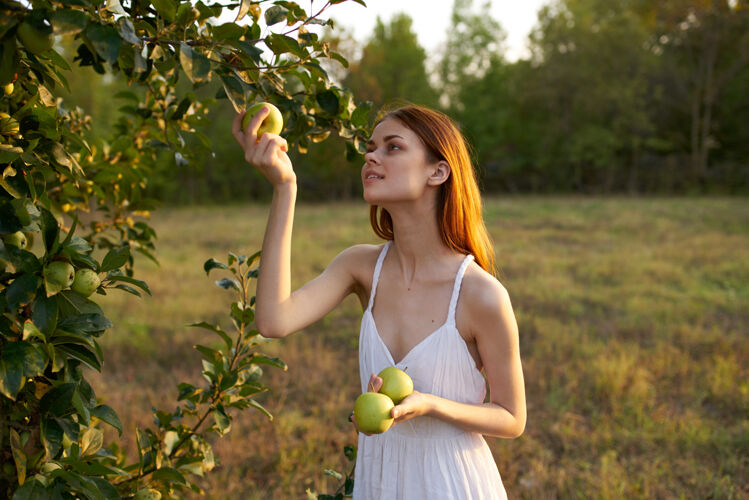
x=278, y=312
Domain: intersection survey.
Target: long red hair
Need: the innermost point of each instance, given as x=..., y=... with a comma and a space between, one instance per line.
x=459, y=203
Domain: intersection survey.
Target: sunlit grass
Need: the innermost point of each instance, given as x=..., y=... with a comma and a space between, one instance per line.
x=633, y=317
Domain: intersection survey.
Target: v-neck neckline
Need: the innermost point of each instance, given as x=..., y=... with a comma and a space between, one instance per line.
x=418, y=344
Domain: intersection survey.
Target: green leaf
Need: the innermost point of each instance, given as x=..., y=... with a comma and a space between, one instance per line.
x=127, y=31
x=51, y=434
x=360, y=116
x=244, y=8
x=195, y=65
x=9, y=58
x=69, y=21
x=211, y=355
x=108, y=415
x=140, y=284
x=217, y=330
x=11, y=372
x=80, y=353
x=31, y=331
x=106, y=41
x=245, y=316
x=167, y=474
x=227, y=31
x=223, y=422
x=80, y=407
x=89, y=323
x=328, y=101
x=50, y=229
x=19, y=457
x=22, y=290
x=35, y=490
x=261, y=359
x=228, y=284
x=282, y=44
x=275, y=14
x=115, y=7
x=235, y=90
x=58, y=400
x=71, y=304
x=91, y=441
x=116, y=258
x=9, y=220
x=166, y=8
x=260, y=408
x=211, y=264
x=338, y=57
x=171, y=438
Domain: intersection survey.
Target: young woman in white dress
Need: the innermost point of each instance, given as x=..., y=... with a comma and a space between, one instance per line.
x=432, y=306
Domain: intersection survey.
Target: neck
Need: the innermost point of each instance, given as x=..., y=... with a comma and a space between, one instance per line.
x=417, y=242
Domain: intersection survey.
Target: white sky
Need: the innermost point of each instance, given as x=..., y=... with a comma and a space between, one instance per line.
x=431, y=19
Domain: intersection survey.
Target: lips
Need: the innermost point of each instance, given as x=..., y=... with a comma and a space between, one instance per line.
x=371, y=176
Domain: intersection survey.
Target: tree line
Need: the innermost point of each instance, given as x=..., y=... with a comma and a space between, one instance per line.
x=632, y=96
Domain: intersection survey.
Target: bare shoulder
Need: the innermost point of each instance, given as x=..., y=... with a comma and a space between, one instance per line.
x=485, y=300
x=358, y=257
x=481, y=288
x=358, y=261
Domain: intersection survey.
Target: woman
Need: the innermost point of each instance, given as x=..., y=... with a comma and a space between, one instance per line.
x=432, y=306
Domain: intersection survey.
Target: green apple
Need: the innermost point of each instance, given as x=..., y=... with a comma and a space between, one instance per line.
x=396, y=384
x=37, y=38
x=273, y=123
x=372, y=412
x=59, y=273
x=17, y=239
x=86, y=282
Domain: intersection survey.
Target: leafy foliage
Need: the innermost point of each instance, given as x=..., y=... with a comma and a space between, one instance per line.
x=55, y=180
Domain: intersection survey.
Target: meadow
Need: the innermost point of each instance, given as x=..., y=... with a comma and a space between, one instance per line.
x=633, y=316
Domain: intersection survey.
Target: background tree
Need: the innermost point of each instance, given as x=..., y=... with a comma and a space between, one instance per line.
x=58, y=178
x=392, y=66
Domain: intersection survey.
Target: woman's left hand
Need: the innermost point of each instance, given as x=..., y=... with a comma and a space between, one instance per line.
x=416, y=404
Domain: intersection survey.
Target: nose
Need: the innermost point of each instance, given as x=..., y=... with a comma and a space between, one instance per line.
x=371, y=158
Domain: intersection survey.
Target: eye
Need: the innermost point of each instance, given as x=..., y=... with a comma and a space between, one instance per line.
x=393, y=146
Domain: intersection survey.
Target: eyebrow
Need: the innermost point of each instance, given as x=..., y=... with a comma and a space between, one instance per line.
x=386, y=138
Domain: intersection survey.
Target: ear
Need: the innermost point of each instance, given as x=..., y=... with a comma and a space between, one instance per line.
x=440, y=173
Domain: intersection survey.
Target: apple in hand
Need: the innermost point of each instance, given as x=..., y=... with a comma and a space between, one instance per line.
x=59, y=273
x=86, y=282
x=17, y=239
x=396, y=384
x=372, y=412
x=272, y=123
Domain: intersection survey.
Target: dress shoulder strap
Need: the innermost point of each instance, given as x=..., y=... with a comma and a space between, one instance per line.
x=376, y=275
x=456, y=289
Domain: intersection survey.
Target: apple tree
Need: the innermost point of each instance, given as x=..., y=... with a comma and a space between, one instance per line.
x=73, y=217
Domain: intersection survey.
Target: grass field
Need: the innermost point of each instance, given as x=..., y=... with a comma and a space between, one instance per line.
x=634, y=326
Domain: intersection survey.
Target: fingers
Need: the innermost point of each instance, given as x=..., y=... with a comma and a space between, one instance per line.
x=375, y=383
x=250, y=133
x=236, y=128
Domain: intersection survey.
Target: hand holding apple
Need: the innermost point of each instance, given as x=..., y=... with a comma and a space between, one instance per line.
x=268, y=153
x=375, y=411
x=273, y=121
x=396, y=384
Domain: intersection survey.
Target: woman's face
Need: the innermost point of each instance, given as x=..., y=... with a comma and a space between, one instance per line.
x=395, y=165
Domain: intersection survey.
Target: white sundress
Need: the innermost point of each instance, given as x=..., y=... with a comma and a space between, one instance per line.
x=425, y=458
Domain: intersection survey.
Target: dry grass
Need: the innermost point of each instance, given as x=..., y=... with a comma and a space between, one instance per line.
x=633, y=317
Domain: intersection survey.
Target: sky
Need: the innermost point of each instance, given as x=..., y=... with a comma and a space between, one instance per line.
x=431, y=19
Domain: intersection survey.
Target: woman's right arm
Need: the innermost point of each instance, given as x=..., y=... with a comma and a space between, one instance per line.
x=278, y=312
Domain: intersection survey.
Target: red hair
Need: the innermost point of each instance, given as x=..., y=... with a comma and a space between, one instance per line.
x=459, y=202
